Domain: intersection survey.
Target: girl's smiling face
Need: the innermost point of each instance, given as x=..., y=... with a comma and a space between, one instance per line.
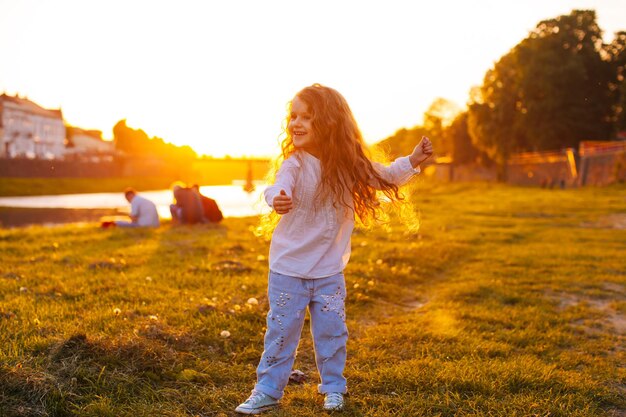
x=301, y=126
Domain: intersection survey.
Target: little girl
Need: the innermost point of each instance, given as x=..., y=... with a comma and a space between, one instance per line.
x=325, y=180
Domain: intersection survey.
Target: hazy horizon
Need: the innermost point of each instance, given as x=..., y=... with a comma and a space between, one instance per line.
x=218, y=76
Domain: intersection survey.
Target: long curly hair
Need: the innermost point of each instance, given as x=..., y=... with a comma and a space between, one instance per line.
x=344, y=158
x=346, y=165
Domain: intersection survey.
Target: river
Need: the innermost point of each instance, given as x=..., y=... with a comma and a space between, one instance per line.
x=232, y=200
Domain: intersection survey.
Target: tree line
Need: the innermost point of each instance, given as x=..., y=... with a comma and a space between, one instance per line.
x=558, y=86
x=137, y=143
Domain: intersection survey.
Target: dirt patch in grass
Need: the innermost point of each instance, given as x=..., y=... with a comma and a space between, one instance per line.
x=404, y=305
x=612, y=316
x=610, y=221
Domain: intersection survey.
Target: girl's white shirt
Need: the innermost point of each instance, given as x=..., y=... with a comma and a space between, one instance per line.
x=313, y=239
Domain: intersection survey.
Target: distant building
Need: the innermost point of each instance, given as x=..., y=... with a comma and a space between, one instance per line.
x=89, y=144
x=27, y=130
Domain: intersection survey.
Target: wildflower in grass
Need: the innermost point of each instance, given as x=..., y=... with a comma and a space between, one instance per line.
x=363, y=244
x=356, y=286
x=237, y=307
x=23, y=289
x=252, y=301
x=55, y=245
x=149, y=279
x=36, y=321
x=225, y=334
x=244, y=287
x=154, y=317
x=370, y=283
x=117, y=311
x=261, y=258
x=379, y=262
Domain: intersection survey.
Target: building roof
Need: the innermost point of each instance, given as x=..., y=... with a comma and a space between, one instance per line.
x=26, y=105
x=92, y=133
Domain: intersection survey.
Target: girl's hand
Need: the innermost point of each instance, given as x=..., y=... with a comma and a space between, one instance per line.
x=422, y=152
x=282, y=203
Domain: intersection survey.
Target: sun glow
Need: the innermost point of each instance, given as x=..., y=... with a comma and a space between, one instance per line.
x=217, y=75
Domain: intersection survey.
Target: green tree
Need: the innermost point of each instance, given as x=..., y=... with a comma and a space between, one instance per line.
x=492, y=113
x=131, y=141
x=135, y=142
x=437, y=119
x=457, y=137
x=616, y=52
x=550, y=91
x=564, y=83
x=402, y=141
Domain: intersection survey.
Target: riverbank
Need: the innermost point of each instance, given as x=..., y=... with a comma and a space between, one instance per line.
x=20, y=216
x=508, y=302
x=15, y=187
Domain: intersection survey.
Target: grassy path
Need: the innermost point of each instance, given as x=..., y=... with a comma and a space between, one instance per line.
x=508, y=302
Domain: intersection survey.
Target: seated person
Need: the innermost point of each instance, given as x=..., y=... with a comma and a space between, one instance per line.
x=211, y=210
x=187, y=208
x=143, y=212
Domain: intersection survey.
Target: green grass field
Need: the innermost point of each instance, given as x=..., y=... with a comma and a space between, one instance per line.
x=508, y=302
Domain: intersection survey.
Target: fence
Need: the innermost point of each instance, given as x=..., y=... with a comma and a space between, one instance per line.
x=595, y=163
x=602, y=163
x=547, y=169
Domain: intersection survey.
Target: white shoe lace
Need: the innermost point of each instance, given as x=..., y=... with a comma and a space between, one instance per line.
x=334, y=398
x=255, y=398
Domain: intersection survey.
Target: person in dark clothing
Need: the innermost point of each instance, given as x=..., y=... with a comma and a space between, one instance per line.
x=187, y=208
x=211, y=210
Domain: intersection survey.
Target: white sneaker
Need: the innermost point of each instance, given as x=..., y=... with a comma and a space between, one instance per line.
x=257, y=403
x=333, y=401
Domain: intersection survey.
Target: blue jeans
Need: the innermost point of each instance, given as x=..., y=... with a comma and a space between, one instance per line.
x=289, y=298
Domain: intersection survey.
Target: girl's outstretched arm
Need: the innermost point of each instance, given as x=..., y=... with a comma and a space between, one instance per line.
x=403, y=168
x=282, y=203
x=422, y=152
x=278, y=195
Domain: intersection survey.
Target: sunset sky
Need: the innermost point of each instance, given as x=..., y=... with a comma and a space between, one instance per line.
x=217, y=75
